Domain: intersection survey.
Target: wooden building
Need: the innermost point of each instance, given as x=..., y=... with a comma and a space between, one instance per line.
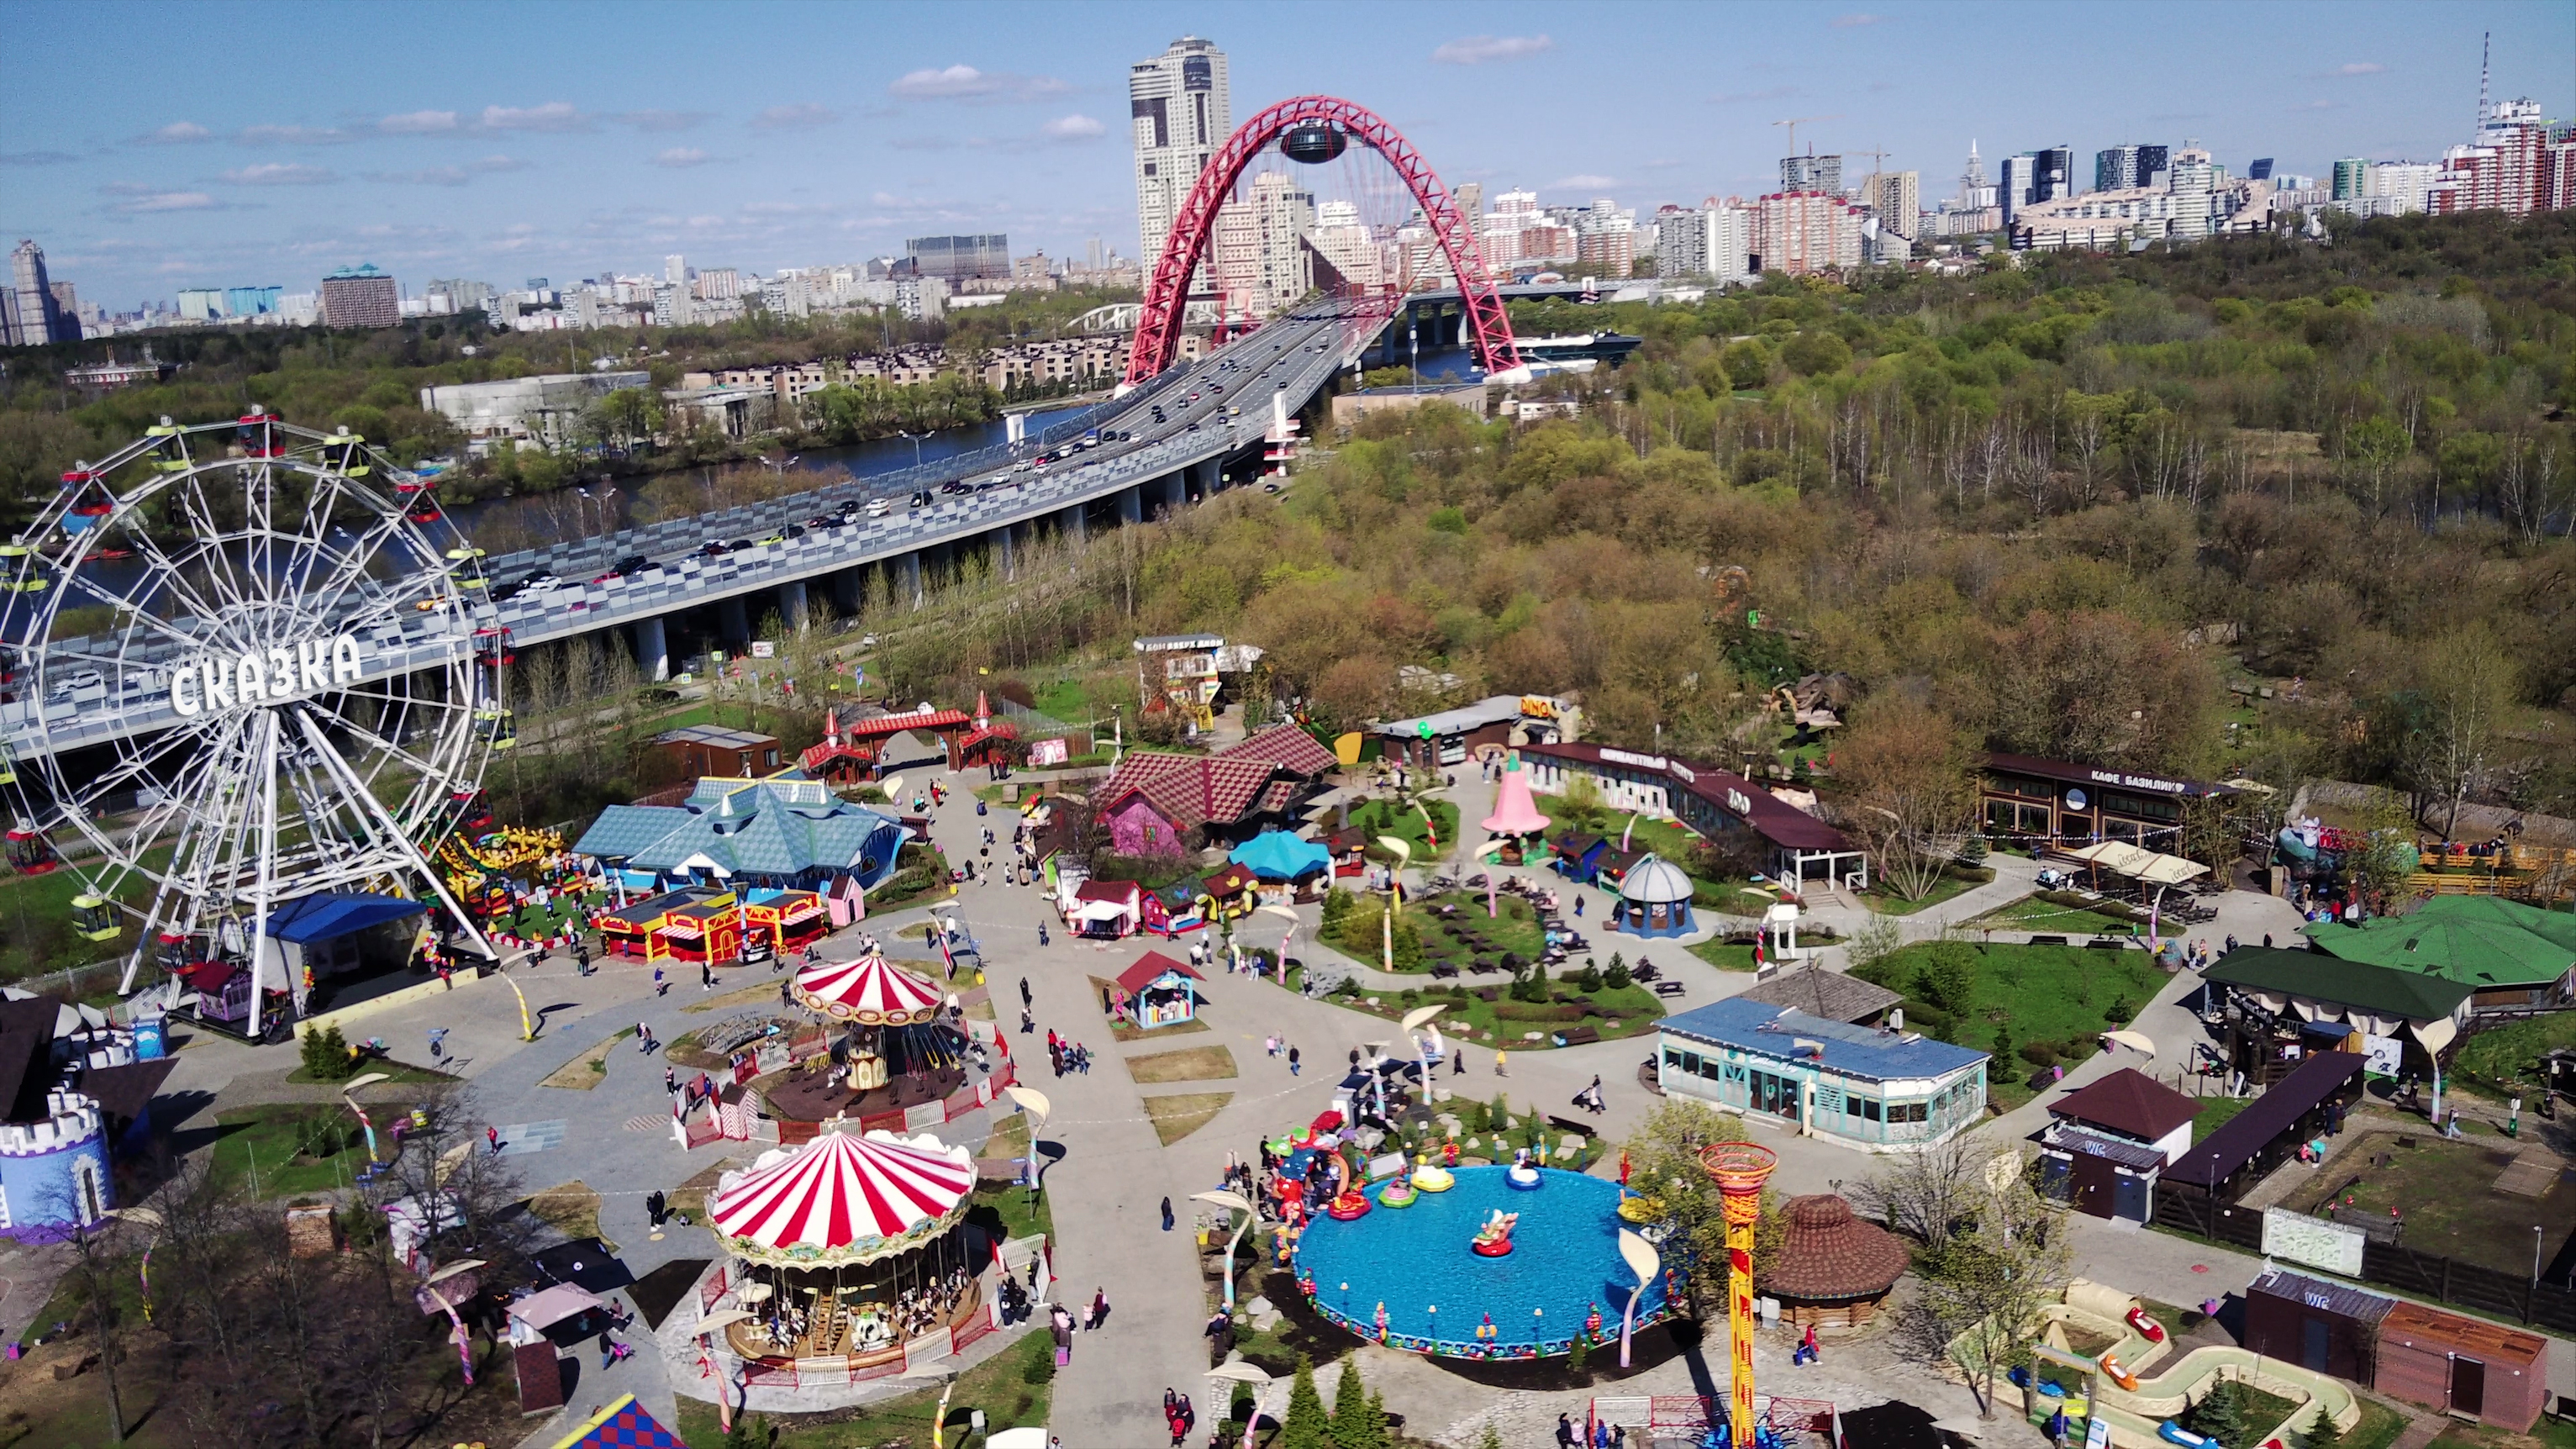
x=2466, y=1367
x=714, y=750
x=2324, y=1327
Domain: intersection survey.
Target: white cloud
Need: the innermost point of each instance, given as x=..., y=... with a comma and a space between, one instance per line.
x=1477, y=49
x=552, y=116
x=680, y=158
x=280, y=173
x=2358, y=67
x=1072, y=128
x=418, y=123
x=965, y=82
x=660, y=120
x=501, y=163
x=291, y=136
x=705, y=221
x=1583, y=183
x=800, y=116
x=1854, y=22
x=37, y=158
x=151, y=201
x=1737, y=98
x=178, y=133
x=448, y=175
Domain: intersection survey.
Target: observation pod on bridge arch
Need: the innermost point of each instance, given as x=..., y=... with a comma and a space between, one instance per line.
x=1312, y=130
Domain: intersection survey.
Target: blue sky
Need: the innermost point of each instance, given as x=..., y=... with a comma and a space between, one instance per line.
x=207, y=144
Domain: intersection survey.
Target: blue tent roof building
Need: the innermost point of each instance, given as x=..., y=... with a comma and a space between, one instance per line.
x=1278, y=855
x=778, y=832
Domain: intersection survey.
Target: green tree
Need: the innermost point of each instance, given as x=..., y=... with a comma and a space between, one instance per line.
x=2470, y=683
x=1946, y=975
x=1359, y=1422
x=1307, y=1426
x=1663, y=1166
x=630, y=414
x=326, y=1054
x=2374, y=446
x=1811, y=354
x=1985, y=1286
x=1748, y=364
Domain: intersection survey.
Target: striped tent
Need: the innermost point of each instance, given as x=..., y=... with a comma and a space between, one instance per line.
x=870, y=991
x=843, y=1199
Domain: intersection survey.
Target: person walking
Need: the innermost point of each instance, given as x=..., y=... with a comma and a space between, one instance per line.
x=1564, y=1432
x=1167, y=1214
x=1099, y=1309
x=493, y=1136
x=660, y=986
x=1027, y=998
x=1028, y=1023
x=1498, y=1063
x=1292, y=1061
x=670, y=1078
x=1458, y=1061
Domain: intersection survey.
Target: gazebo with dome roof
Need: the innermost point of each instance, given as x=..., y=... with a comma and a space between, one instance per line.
x=1654, y=899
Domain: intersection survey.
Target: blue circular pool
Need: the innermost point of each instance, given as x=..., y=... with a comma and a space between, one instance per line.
x=1564, y=1264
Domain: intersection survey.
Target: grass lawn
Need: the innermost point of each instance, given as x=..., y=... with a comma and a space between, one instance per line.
x=1723, y=956
x=2042, y=916
x=1176, y=1117
x=1020, y=1217
x=572, y=1207
x=587, y=1070
x=2445, y=1191
x=2503, y=1059
x=1516, y=929
x=2379, y=1427
x=1013, y=1388
x=2547, y=1431
x=2214, y=1114
x=1949, y=887
x=2065, y=996
x=1627, y=1011
x=1384, y=817
x=292, y=1147
x=1190, y=1064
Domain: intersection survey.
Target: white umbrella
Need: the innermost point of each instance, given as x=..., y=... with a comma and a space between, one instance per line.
x=1031, y=1100
x=2136, y=1041
x=1029, y=1437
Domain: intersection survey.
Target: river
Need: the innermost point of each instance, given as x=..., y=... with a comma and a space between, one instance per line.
x=567, y=513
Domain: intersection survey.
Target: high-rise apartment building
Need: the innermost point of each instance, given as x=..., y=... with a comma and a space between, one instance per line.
x=1798, y=232
x=1181, y=110
x=2035, y=176
x=33, y=316
x=1713, y=240
x=675, y=269
x=360, y=296
x=2351, y=179
x=960, y=258
x=2194, y=184
x=719, y=284
x=2511, y=166
x=1897, y=198
x=2120, y=168
x=1263, y=262
x=1811, y=173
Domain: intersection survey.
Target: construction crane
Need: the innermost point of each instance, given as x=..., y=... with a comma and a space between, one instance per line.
x=1793, y=123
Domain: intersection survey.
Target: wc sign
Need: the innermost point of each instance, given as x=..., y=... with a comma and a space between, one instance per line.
x=216, y=683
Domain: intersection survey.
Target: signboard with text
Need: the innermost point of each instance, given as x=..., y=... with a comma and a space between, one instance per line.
x=2298, y=1238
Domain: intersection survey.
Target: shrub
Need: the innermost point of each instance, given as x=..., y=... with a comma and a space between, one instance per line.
x=2220, y=1414
x=1039, y=1369
x=1617, y=977
x=326, y=1055
x=1590, y=979
x=1947, y=976
x=2041, y=1054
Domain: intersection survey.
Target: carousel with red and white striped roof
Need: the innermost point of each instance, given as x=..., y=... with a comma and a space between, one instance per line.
x=899, y=1042
x=853, y=1246
x=870, y=990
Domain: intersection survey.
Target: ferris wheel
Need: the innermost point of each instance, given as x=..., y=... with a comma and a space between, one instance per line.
x=243, y=670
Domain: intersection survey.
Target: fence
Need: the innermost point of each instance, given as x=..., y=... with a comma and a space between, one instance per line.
x=2389, y=1265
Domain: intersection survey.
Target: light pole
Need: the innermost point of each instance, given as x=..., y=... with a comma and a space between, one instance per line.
x=915, y=439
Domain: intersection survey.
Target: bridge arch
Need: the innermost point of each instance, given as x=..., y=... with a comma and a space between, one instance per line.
x=1158, y=327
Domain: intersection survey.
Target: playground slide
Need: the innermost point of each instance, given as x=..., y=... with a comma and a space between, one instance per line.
x=2136, y=1416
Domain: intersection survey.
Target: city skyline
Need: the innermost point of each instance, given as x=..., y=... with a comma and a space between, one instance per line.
x=768, y=156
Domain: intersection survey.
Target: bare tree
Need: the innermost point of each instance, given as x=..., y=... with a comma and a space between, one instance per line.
x=1910, y=792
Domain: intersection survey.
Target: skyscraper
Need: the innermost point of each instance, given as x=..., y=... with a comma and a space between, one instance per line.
x=33, y=317
x=959, y=258
x=361, y=296
x=1261, y=246
x=1181, y=110
x=1811, y=173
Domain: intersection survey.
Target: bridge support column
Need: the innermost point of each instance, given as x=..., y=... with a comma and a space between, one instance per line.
x=652, y=649
x=910, y=580
x=1074, y=525
x=1002, y=559
x=850, y=591
x=1204, y=479
x=791, y=604
x=1131, y=504
x=730, y=620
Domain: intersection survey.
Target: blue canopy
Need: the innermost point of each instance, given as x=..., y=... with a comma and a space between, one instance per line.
x=1278, y=855
x=307, y=919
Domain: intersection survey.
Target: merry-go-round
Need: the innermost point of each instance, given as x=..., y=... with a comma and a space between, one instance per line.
x=850, y=1250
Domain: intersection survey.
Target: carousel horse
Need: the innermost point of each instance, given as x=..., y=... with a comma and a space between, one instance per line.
x=1494, y=1239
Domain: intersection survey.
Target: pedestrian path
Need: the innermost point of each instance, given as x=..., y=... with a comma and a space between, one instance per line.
x=522, y=1138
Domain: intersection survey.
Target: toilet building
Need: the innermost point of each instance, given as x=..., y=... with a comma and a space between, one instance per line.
x=2466, y=1367
x=2322, y=1326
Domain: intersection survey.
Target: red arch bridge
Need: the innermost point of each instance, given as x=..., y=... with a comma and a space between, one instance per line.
x=1486, y=327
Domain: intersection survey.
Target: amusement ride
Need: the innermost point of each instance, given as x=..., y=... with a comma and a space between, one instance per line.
x=242, y=672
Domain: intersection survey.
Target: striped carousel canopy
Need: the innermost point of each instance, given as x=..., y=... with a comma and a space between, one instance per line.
x=870, y=991
x=843, y=1199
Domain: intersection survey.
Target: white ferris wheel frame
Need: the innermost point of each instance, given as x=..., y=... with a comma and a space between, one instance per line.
x=260, y=552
